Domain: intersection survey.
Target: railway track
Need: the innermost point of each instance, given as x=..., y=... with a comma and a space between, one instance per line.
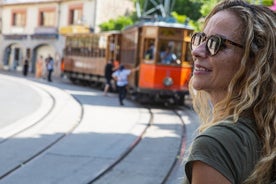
x=150, y=159
x=128, y=145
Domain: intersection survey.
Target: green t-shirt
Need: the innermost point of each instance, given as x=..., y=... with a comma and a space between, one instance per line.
x=231, y=148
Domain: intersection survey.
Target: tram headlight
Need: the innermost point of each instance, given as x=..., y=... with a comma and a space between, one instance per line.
x=168, y=81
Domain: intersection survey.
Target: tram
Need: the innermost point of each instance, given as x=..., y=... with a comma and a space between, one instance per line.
x=161, y=50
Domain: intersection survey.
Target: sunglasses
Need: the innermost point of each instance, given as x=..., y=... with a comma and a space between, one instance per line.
x=214, y=43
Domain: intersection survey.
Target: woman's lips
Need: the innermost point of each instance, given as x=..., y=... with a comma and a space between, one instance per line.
x=198, y=69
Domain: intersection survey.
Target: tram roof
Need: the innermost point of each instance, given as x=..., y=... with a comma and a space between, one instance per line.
x=160, y=24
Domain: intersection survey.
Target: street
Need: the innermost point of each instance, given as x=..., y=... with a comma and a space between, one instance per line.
x=63, y=133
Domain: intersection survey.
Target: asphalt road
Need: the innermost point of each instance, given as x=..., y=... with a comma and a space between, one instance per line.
x=82, y=133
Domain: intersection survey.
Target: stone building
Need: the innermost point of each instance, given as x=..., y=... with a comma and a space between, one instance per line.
x=34, y=28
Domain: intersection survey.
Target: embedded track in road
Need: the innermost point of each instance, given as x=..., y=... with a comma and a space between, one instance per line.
x=148, y=160
x=100, y=144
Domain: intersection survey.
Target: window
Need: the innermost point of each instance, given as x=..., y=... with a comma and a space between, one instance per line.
x=85, y=45
x=149, y=47
x=170, y=52
x=47, y=17
x=75, y=14
x=19, y=18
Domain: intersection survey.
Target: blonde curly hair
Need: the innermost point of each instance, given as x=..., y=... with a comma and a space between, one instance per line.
x=252, y=91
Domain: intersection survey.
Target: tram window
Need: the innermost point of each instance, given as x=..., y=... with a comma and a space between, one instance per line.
x=188, y=55
x=68, y=47
x=170, y=52
x=149, y=49
x=87, y=43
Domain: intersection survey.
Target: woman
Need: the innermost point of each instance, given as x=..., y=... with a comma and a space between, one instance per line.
x=234, y=93
x=39, y=67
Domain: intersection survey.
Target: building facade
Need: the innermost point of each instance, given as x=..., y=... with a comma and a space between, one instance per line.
x=34, y=28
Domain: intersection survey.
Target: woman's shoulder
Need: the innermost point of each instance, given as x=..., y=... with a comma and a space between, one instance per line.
x=242, y=130
x=231, y=148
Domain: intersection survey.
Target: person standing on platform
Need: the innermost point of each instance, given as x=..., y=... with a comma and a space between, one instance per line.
x=39, y=67
x=121, y=78
x=234, y=93
x=50, y=67
x=26, y=67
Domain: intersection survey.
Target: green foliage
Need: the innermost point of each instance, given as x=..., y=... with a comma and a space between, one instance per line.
x=197, y=25
x=262, y=2
x=267, y=2
x=184, y=11
x=188, y=8
x=179, y=18
x=207, y=7
x=116, y=24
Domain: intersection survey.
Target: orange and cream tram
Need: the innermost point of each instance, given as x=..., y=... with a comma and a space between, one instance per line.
x=161, y=50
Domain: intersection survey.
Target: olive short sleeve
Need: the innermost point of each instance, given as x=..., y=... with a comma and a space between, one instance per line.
x=230, y=148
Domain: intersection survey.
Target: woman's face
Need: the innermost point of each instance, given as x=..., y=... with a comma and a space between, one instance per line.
x=214, y=73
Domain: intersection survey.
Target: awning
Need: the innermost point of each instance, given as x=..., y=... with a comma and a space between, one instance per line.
x=73, y=29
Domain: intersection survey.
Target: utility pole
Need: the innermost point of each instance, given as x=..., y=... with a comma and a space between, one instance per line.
x=153, y=8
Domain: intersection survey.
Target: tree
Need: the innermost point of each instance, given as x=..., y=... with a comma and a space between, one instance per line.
x=207, y=5
x=116, y=24
x=184, y=11
x=189, y=8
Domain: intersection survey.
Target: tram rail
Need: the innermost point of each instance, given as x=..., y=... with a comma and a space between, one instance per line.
x=155, y=131
x=115, y=171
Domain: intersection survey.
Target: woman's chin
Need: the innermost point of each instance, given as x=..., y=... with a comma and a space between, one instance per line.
x=198, y=86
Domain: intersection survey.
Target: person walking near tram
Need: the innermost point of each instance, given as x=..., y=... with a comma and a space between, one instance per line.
x=121, y=78
x=234, y=92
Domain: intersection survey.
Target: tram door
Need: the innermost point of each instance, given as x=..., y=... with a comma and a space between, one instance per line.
x=148, y=45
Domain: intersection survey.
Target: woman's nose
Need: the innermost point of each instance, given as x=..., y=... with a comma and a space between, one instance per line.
x=200, y=51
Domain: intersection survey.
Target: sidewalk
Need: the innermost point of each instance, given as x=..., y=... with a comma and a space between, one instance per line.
x=22, y=104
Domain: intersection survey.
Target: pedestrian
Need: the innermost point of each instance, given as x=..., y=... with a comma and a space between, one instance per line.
x=108, y=76
x=25, y=67
x=234, y=93
x=121, y=78
x=39, y=67
x=50, y=67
